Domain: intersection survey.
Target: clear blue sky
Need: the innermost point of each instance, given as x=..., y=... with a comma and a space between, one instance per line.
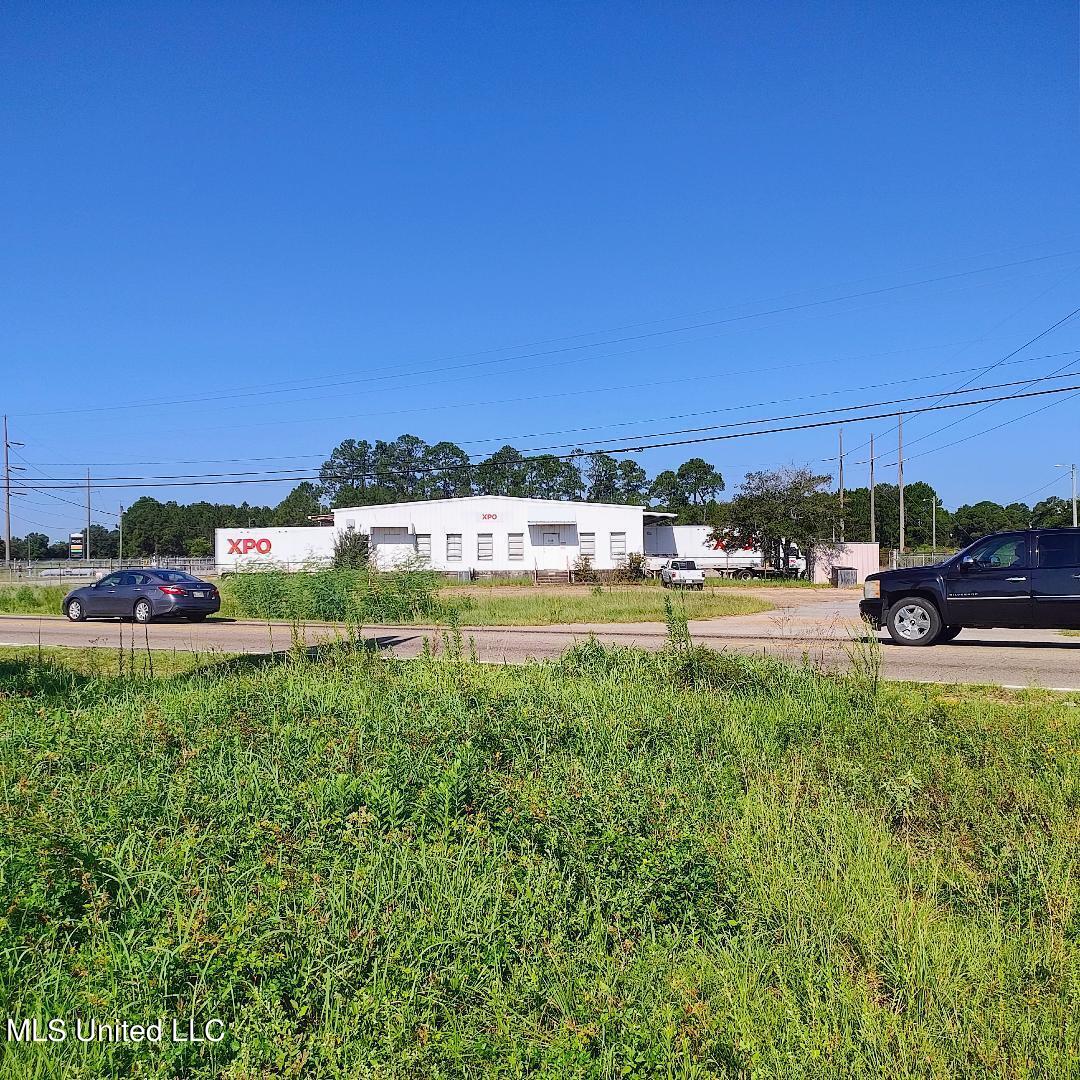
x=199, y=198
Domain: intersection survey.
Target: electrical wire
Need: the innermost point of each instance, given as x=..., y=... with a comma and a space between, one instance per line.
x=696, y=440
x=325, y=384
x=579, y=451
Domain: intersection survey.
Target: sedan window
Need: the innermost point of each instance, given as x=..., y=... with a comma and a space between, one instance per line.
x=110, y=582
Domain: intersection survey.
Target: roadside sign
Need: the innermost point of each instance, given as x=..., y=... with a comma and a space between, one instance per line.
x=76, y=549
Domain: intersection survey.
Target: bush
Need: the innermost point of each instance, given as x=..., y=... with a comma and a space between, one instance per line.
x=632, y=568
x=352, y=551
x=583, y=570
x=339, y=595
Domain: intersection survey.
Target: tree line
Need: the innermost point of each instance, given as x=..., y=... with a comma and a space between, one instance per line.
x=407, y=469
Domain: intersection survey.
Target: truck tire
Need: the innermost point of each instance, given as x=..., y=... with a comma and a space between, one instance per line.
x=744, y=575
x=914, y=621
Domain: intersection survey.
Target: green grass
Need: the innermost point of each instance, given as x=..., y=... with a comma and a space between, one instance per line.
x=32, y=599
x=613, y=604
x=619, y=864
x=105, y=663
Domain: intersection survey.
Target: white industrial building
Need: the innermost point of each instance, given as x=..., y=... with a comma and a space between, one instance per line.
x=498, y=534
x=495, y=534
x=502, y=535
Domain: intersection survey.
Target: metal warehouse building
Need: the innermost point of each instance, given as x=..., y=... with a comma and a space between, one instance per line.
x=499, y=534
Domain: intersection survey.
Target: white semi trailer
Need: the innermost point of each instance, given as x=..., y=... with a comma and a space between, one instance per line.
x=663, y=542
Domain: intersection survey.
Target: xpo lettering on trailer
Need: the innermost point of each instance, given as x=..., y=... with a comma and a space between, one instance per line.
x=247, y=545
x=287, y=549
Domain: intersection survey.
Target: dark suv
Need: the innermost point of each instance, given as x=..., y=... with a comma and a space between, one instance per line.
x=1027, y=580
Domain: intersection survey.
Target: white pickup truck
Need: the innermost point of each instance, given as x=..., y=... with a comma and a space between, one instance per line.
x=682, y=574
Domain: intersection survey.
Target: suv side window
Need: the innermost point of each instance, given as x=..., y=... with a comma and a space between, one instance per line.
x=1002, y=552
x=1057, y=550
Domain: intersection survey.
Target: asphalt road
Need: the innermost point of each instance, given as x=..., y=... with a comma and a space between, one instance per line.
x=818, y=625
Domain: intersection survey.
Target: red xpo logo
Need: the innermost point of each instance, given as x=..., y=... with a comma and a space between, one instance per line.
x=488, y=517
x=248, y=545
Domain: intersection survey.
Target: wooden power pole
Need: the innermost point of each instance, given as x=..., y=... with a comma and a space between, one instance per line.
x=873, y=516
x=900, y=474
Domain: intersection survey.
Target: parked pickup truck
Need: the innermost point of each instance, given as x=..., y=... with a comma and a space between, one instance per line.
x=1025, y=580
x=682, y=574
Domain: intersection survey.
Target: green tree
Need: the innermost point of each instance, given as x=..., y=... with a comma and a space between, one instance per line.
x=503, y=473
x=970, y=522
x=689, y=491
x=773, y=510
x=1052, y=512
x=918, y=516
x=299, y=506
x=602, y=479
x=448, y=472
x=633, y=482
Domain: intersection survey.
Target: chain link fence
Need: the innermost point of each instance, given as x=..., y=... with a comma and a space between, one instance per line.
x=46, y=570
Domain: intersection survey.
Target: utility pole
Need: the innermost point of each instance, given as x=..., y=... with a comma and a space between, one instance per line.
x=933, y=526
x=8, y=444
x=900, y=473
x=1072, y=469
x=841, y=482
x=86, y=546
x=7, y=501
x=120, y=545
x=873, y=516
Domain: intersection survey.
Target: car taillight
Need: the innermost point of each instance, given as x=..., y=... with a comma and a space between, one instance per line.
x=171, y=590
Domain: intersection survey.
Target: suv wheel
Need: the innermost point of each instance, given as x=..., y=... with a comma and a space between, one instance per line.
x=914, y=621
x=143, y=611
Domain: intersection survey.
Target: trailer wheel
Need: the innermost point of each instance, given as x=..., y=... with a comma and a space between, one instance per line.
x=744, y=575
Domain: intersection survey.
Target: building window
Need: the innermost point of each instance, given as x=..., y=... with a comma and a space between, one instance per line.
x=453, y=547
x=618, y=545
x=484, y=547
x=588, y=544
x=515, y=545
x=423, y=545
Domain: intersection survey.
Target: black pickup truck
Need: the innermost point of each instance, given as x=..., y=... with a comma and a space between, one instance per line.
x=1027, y=580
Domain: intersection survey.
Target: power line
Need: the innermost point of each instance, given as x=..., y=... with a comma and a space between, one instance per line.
x=1041, y=334
x=619, y=450
x=256, y=474
x=46, y=491
x=997, y=326
x=591, y=427
x=325, y=383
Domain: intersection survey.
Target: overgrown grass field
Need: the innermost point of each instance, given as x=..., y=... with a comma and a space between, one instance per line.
x=417, y=597
x=413, y=596
x=31, y=599
x=618, y=864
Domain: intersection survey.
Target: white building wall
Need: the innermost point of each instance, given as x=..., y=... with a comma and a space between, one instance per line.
x=287, y=548
x=549, y=534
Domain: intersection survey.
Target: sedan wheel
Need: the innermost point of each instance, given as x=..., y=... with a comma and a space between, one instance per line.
x=75, y=611
x=143, y=611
